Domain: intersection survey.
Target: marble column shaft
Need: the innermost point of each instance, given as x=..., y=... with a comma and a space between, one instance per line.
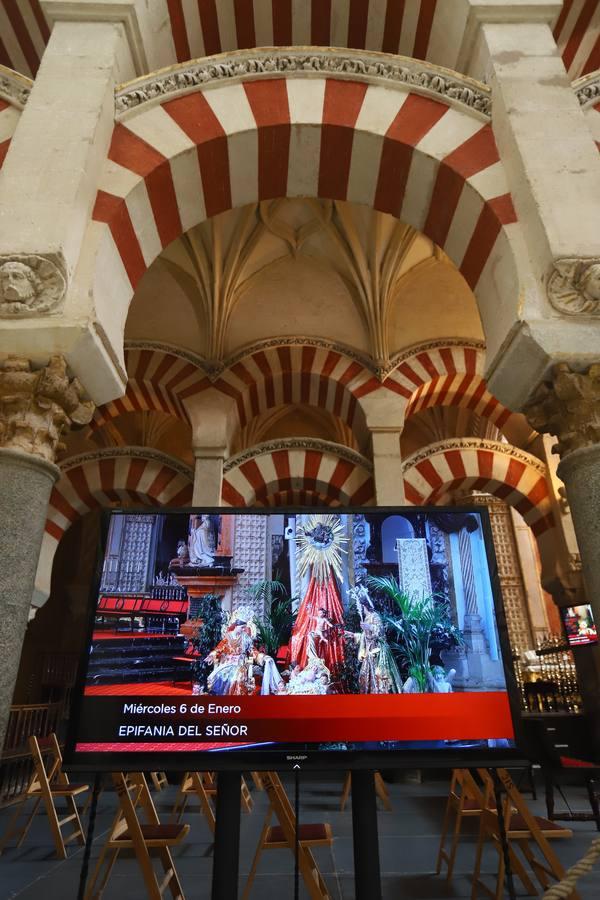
x=26, y=482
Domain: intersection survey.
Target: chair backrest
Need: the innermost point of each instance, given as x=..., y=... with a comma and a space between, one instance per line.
x=281, y=805
x=134, y=795
x=47, y=763
x=464, y=787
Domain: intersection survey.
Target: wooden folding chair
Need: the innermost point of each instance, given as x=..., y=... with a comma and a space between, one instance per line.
x=278, y=837
x=210, y=784
x=524, y=831
x=193, y=784
x=128, y=833
x=465, y=800
x=159, y=780
x=380, y=789
x=48, y=784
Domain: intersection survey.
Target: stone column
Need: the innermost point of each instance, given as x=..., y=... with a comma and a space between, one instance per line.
x=384, y=414
x=553, y=172
x=208, y=475
x=568, y=406
x=49, y=184
x=35, y=408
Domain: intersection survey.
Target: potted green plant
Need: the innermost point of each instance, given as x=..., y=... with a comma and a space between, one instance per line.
x=274, y=627
x=416, y=626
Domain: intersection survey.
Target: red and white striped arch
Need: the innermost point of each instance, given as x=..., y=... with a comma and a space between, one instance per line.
x=315, y=375
x=434, y=166
x=271, y=472
x=446, y=376
x=157, y=380
x=10, y=109
x=577, y=33
x=419, y=28
x=516, y=478
x=107, y=478
x=24, y=33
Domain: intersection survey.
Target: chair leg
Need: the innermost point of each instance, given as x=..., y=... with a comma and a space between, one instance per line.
x=478, y=855
x=78, y=832
x=501, y=873
x=591, y=789
x=107, y=858
x=445, y=823
x=345, y=792
x=169, y=866
x=59, y=843
x=454, y=844
x=382, y=792
x=257, y=855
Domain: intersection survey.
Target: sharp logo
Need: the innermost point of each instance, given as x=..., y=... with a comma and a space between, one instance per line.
x=297, y=757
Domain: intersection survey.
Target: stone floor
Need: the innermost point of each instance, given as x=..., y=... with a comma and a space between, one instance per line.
x=409, y=837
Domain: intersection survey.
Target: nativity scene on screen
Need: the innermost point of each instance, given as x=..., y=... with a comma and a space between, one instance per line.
x=269, y=604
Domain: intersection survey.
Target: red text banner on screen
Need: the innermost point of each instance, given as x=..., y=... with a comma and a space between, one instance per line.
x=389, y=717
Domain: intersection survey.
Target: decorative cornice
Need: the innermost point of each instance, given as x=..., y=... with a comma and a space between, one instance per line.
x=473, y=444
x=14, y=88
x=298, y=444
x=172, y=349
x=146, y=453
x=587, y=89
x=275, y=62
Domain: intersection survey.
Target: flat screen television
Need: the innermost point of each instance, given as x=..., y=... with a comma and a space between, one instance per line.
x=580, y=627
x=273, y=638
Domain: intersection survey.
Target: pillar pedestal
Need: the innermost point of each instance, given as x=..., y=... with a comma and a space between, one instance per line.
x=26, y=485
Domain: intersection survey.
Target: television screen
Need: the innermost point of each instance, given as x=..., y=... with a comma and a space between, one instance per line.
x=579, y=625
x=257, y=637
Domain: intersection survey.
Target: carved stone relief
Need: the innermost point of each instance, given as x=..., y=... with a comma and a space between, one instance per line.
x=36, y=407
x=30, y=285
x=574, y=287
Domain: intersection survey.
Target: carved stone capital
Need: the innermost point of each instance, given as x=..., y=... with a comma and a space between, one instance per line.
x=36, y=407
x=568, y=407
x=30, y=285
x=574, y=286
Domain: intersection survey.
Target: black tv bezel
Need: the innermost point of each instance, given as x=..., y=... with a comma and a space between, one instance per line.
x=587, y=643
x=286, y=759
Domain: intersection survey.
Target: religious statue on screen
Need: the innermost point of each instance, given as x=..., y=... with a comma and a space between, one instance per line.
x=201, y=541
x=318, y=629
x=235, y=659
x=378, y=672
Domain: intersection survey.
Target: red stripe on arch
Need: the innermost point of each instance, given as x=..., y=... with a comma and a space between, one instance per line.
x=320, y=22
x=179, y=30
x=62, y=505
x=426, y=14
x=342, y=104
x=414, y=120
x=282, y=22
x=195, y=117
x=393, y=26
x=22, y=34
x=357, y=24
x=429, y=473
x=412, y=495
x=244, y=23
x=484, y=237
x=231, y=496
x=164, y=477
x=269, y=103
x=485, y=463
x=578, y=33
x=210, y=26
x=113, y=211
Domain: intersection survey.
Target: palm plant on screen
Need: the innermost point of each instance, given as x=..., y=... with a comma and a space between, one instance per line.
x=274, y=627
x=419, y=623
